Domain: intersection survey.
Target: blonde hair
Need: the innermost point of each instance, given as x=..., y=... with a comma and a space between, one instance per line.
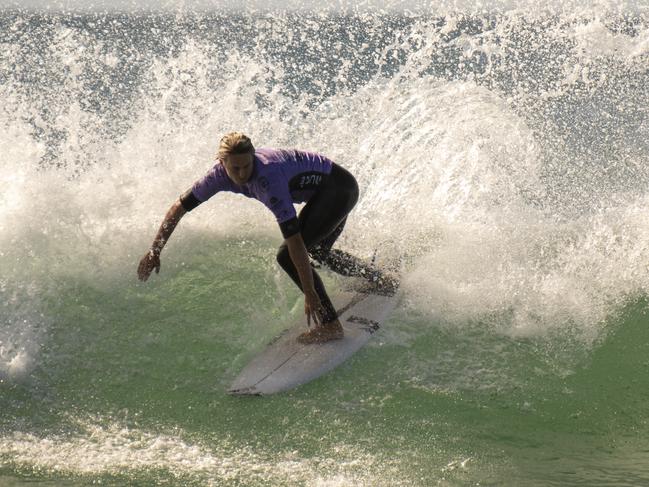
x=234, y=143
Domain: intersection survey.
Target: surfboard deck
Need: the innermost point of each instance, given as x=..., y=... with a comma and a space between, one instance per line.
x=285, y=363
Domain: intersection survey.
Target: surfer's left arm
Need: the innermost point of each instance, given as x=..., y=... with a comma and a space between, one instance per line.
x=300, y=257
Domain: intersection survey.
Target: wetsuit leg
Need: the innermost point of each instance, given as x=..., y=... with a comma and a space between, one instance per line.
x=321, y=222
x=314, y=222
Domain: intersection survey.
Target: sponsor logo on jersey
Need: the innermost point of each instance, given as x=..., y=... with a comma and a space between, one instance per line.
x=306, y=181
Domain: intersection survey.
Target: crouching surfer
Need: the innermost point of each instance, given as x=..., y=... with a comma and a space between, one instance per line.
x=279, y=178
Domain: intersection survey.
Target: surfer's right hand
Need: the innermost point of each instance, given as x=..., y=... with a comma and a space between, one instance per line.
x=150, y=261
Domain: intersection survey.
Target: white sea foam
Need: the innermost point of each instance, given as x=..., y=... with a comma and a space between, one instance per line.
x=400, y=6
x=454, y=179
x=20, y=342
x=503, y=170
x=108, y=448
x=594, y=39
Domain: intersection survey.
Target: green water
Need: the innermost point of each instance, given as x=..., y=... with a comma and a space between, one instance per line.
x=501, y=156
x=130, y=389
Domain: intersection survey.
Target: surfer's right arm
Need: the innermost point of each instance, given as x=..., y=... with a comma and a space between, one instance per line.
x=151, y=259
x=201, y=191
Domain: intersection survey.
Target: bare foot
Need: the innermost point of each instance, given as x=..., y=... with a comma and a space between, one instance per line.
x=322, y=333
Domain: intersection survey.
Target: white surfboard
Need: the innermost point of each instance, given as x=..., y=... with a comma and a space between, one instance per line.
x=285, y=363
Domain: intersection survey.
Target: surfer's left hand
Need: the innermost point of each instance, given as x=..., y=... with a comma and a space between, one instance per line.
x=312, y=307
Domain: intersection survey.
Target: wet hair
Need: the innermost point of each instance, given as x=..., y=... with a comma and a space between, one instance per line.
x=235, y=143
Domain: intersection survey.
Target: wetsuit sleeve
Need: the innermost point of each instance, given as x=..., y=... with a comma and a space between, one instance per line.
x=202, y=190
x=290, y=227
x=189, y=201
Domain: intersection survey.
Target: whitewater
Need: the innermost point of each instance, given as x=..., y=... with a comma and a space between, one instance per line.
x=502, y=157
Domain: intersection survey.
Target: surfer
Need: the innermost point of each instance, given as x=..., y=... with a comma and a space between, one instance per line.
x=279, y=178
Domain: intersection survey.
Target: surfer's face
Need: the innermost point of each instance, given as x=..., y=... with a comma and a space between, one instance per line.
x=238, y=167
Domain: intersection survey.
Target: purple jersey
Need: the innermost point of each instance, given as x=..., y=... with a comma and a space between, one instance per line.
x=279, y=179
